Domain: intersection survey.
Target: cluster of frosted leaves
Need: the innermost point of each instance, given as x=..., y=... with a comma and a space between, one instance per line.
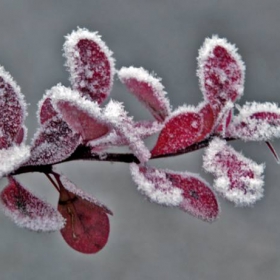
x=87, y=224
x=13, y=151
x=237, y=178
x=184, y=190
x=29, y=211
x=221, y=74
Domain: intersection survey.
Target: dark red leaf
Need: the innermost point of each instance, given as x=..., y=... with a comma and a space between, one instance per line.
x=87, y=224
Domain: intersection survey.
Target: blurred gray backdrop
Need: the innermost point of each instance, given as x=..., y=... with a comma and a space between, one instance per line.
x=147, y=241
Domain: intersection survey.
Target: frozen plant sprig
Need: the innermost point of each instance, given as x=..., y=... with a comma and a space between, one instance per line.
x=74, y=124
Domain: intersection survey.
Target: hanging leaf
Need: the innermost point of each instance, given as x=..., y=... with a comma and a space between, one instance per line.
x=27, y=210
x=147, y=89
x=87, y=224
x=90, y=64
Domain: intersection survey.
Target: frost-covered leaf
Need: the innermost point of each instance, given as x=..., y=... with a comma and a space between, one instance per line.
x=27, y=210
x=90, y=64
x=147, y=89
x=87, y=224
x=181, y=130
x=237, y=178
x=53, y=142
x=220, y=71
x=12, y=108
x=12, y=158
x=256, y=122
x=124, y=126
x=184, y=190
x=83, y=116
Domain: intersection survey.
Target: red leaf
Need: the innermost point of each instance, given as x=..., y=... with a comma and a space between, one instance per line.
x=12, y=108
x=148, y=89
x=87, y=224
x=90, y=64
x=53, y=142
x=238, y=179
x=180, y=131
x=28, y=211
x=220, y=71
x=184, y=190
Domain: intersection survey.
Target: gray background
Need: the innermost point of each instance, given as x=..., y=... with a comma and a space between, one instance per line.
x=147, y=241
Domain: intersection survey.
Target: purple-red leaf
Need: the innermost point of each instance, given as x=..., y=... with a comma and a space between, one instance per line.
x=237, y=178
x=182, y=130
x=147, y=89
x=184, y=190
x=83, y=116
x=27, y=210
x=90, y=64
x=12, y=108
x=87, y=223
x=220, y=71
x=53, y=142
